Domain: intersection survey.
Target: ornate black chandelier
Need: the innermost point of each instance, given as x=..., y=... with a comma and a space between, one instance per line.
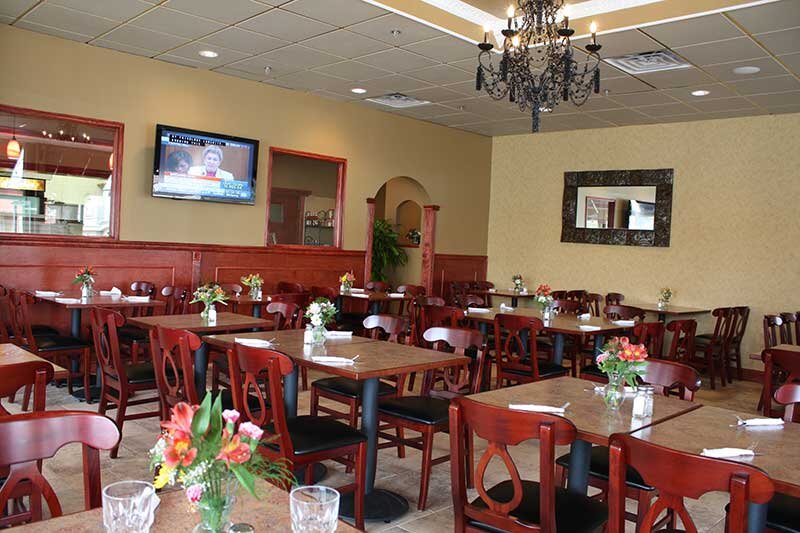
x=539, y=68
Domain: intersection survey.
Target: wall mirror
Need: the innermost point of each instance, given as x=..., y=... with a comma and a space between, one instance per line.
x=623, y=207
x=305, y=199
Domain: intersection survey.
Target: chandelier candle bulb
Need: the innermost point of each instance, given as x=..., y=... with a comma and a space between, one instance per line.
x=593, y=31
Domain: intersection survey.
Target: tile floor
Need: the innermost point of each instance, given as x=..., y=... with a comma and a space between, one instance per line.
x=399, y=475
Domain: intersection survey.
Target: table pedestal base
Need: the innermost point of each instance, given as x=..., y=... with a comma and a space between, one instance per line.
x=379, y=504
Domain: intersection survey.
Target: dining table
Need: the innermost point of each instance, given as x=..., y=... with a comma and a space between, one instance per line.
x=225, y=323
x=671, y=310
x=757, y=356
x=375, y=299
x=376, y=359
x=506, y=293
x=245, y=299
x=776, y=447
x=11, y=354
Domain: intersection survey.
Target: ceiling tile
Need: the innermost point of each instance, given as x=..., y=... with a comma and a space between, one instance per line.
x=352, y=70
x=53, y=31
x=792, y=61
x=694, y=31
x=777, y=99
x=390, y=84
x=425, y=111
x=721, y=51
x=285, y=25
x=69, y=20
x=142, y=38
x=777, y=84
x=622, y=43
x=683, y=118
x=256, y=65
x=722, y=104
x=229, y=12
x=346, y=44
x=735, y=113
x=669, y=79
x=441, y=74
x=785, y=109
x=643, y=98
x=176, y=23
x=244, y=41
x=716, y=90
x=622, y=117
x=481, y=105
x=436, y=94
x=240, y=74
x=119, y=10
x=397, y=60
x=457, y=118
x=332, y=96
x=125, y=48
x=6, y=20
x=312, y=81
x=665, y=110
x=724, y=72
x=445, y=49
x=301, y=57
x=337, y=12
x=465, y=87
x=769, y=17
x=600, y=103
x=15, y=8
x=182, y=61
x=625, y=85
x=781, y=42
x=191, y=51
x=381, y=29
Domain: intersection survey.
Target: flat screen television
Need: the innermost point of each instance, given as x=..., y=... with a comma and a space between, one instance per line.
x=197, y=165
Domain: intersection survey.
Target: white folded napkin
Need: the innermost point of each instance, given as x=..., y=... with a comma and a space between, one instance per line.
x=138, y=299
x=360, y=295
x=396, y=295
x=588, y=327
x=113, y=292
x=253, y=343
x=585, y=316
x=339, y=335
x=478, y=310
x=356, y=291
x=625, y=322
x=524, y=292
x=47, y=293
x=628, y=390
x=492, y=290
x=723, y=453
x=761, y=422
x=68, y=300
x=535, y=408
x=504, y=307
x=332, y=360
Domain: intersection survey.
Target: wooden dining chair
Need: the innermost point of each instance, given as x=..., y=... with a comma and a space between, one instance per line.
x=577, y=295
x=133, y=339
x=471, y=300
x=651, y=334
x=427, y=414
x=516, y=360
x=7, y=321
x=484, y=287
x=658, y=466
x=232, y=289
x=780, y=367
x=302, y=440
x=516, y=504
x=732, y=355
x=623, y=312
x=669, y=379
x=289, y=287
x=594, y=303
x=288, y=315
x=441, y=315
x=377, y=286
x=142, y=288
x=456, y=289
x=559, y=295
x=33, y=376
x=710, y=350
x=331, y=293
x=567, y=307
x=776, y=330
x=44, y=433
x=176, y=299
x=681, y=347
x=614, y=298
x=121, y=383
x=300, y=299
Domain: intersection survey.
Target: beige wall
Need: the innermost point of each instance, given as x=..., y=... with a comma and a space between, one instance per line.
x=735, y=222
x=47, y=73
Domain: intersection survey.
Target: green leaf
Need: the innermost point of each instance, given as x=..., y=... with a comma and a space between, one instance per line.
x=215, y=434
x=245, y=478
x=202, y=418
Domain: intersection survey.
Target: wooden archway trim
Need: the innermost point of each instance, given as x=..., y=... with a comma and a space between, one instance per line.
x=368, y=245
x=428, y=245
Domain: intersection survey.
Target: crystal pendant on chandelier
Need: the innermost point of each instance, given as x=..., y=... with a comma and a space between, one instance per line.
x=539, y=68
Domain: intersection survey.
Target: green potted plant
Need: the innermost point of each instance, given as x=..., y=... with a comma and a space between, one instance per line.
x=386, y=252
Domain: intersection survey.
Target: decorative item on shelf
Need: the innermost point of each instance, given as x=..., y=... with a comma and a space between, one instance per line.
x=313, y=221
x=331, y=217
x=202, y=448
x=519, y=283
x=346, y=282
x=254, y=282
x=386, y=252
x=538, y=68
x=544, y=299
x=85, y=277
x=210, y=294
x=623, y=362
x=414, y=236
x=664, y=297
x=320, y=312
x=322, y=216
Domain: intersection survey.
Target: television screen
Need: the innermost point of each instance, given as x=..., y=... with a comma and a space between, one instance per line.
x=196, y=165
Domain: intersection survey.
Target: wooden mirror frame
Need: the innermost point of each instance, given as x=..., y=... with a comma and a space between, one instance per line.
x=339, y=214
x=660, y=178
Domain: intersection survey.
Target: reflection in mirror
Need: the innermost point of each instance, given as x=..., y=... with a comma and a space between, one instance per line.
x=616, y=208
x=303, y=200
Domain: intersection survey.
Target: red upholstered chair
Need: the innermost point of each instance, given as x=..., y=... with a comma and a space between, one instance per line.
x=121, y=381
x=681, y=348
x=514, y=363
x=44, y=433
x=289, y=287
x=33, y=375
x=614, y=298
x=675, y=476
x=516, y=504
x=303, y=440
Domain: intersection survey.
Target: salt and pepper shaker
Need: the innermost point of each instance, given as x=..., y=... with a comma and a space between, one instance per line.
x=308, y=335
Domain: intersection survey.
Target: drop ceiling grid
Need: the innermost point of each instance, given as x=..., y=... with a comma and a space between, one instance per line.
x=315, y=50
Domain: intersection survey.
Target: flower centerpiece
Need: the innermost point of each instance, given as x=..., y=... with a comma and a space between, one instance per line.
x=209, y=294
x=254, y=283
x=85, y=277
x=202, y=448
x=544, y=299
x=623, y=362
x=320, y=312
x=414, y=236
x=519, y=283
x=664, y=297
x=346, y=282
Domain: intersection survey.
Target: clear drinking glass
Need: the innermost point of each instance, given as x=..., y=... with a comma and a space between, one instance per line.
x=314, y=509
x=129, y=506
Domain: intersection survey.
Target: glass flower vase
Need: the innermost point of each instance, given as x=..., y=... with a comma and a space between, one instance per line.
x=614, y=391
x=86, y=291
x=254, y=292
x=345, y=288
x=208, y=311
x=318, y=335
x=216, y=505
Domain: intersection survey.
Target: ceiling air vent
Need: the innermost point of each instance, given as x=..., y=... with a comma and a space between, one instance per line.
x=646, y=62
x=398, y=101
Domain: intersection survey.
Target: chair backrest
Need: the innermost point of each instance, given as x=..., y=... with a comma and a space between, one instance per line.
x=30, y=373
x=20, y=320
x=651, y=334
x=106, y=343
x=788, y=363
x=471, y=300
x=567, y=307
x=623, y=312
x=444, y=315
x=377, y=286
x=671, y=378
x=298, y=298
x=594, y=303
x=742, y=314
x=45, y=432
x=681, y=348
x=287, y=315
x=408, y=306
x=482, y=285
x=578, y=295
x=6, y=319
x=429, y=300
x=232, y=289
x=142, y=288
x=502, y=428
x=176, y=299
x=510, y=352
x=289, y=287
x=776, y=331
x=458, y=341
x=789, y=395
x=331, y=293
x=723, y=326
x=258, y=373
x=172, y=351
x=386, y=327
x=677, y=475
x=614, y=298
x=559, y=295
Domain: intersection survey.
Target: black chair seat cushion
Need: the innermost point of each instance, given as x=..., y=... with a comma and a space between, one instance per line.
x=41, y=330
x=132, y=333
x=350, y=387
x=575, y=513
x=311, y=434
x=783, y=514
x=546, y=369
x=598, y=467
x=420, y=409
x=593, y=370
x=141, y=373
x=55, y=343
x=227, y=401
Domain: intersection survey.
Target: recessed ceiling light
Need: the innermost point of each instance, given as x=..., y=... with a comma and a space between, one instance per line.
x=701, y=93
x=746, y=70
x=358, y=90
x=208, y=53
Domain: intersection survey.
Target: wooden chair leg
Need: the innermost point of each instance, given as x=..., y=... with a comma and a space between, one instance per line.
x=26, y=397
x=642, y=506
x=425, y=476
x=712, y=371
x=314, y=409
x=411, y=378
x=309, y=474
x=121, y=408
x=87, y=394
x=135, y=352
x=401, y=448
x=304, y=376
x=469, y=456
x=561, y=477
x=361, y=482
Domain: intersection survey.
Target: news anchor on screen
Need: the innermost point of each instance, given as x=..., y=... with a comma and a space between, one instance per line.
x=212, y=158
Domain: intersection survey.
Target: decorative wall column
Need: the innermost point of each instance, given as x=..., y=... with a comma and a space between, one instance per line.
x=368, y=246
x=428, y=245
